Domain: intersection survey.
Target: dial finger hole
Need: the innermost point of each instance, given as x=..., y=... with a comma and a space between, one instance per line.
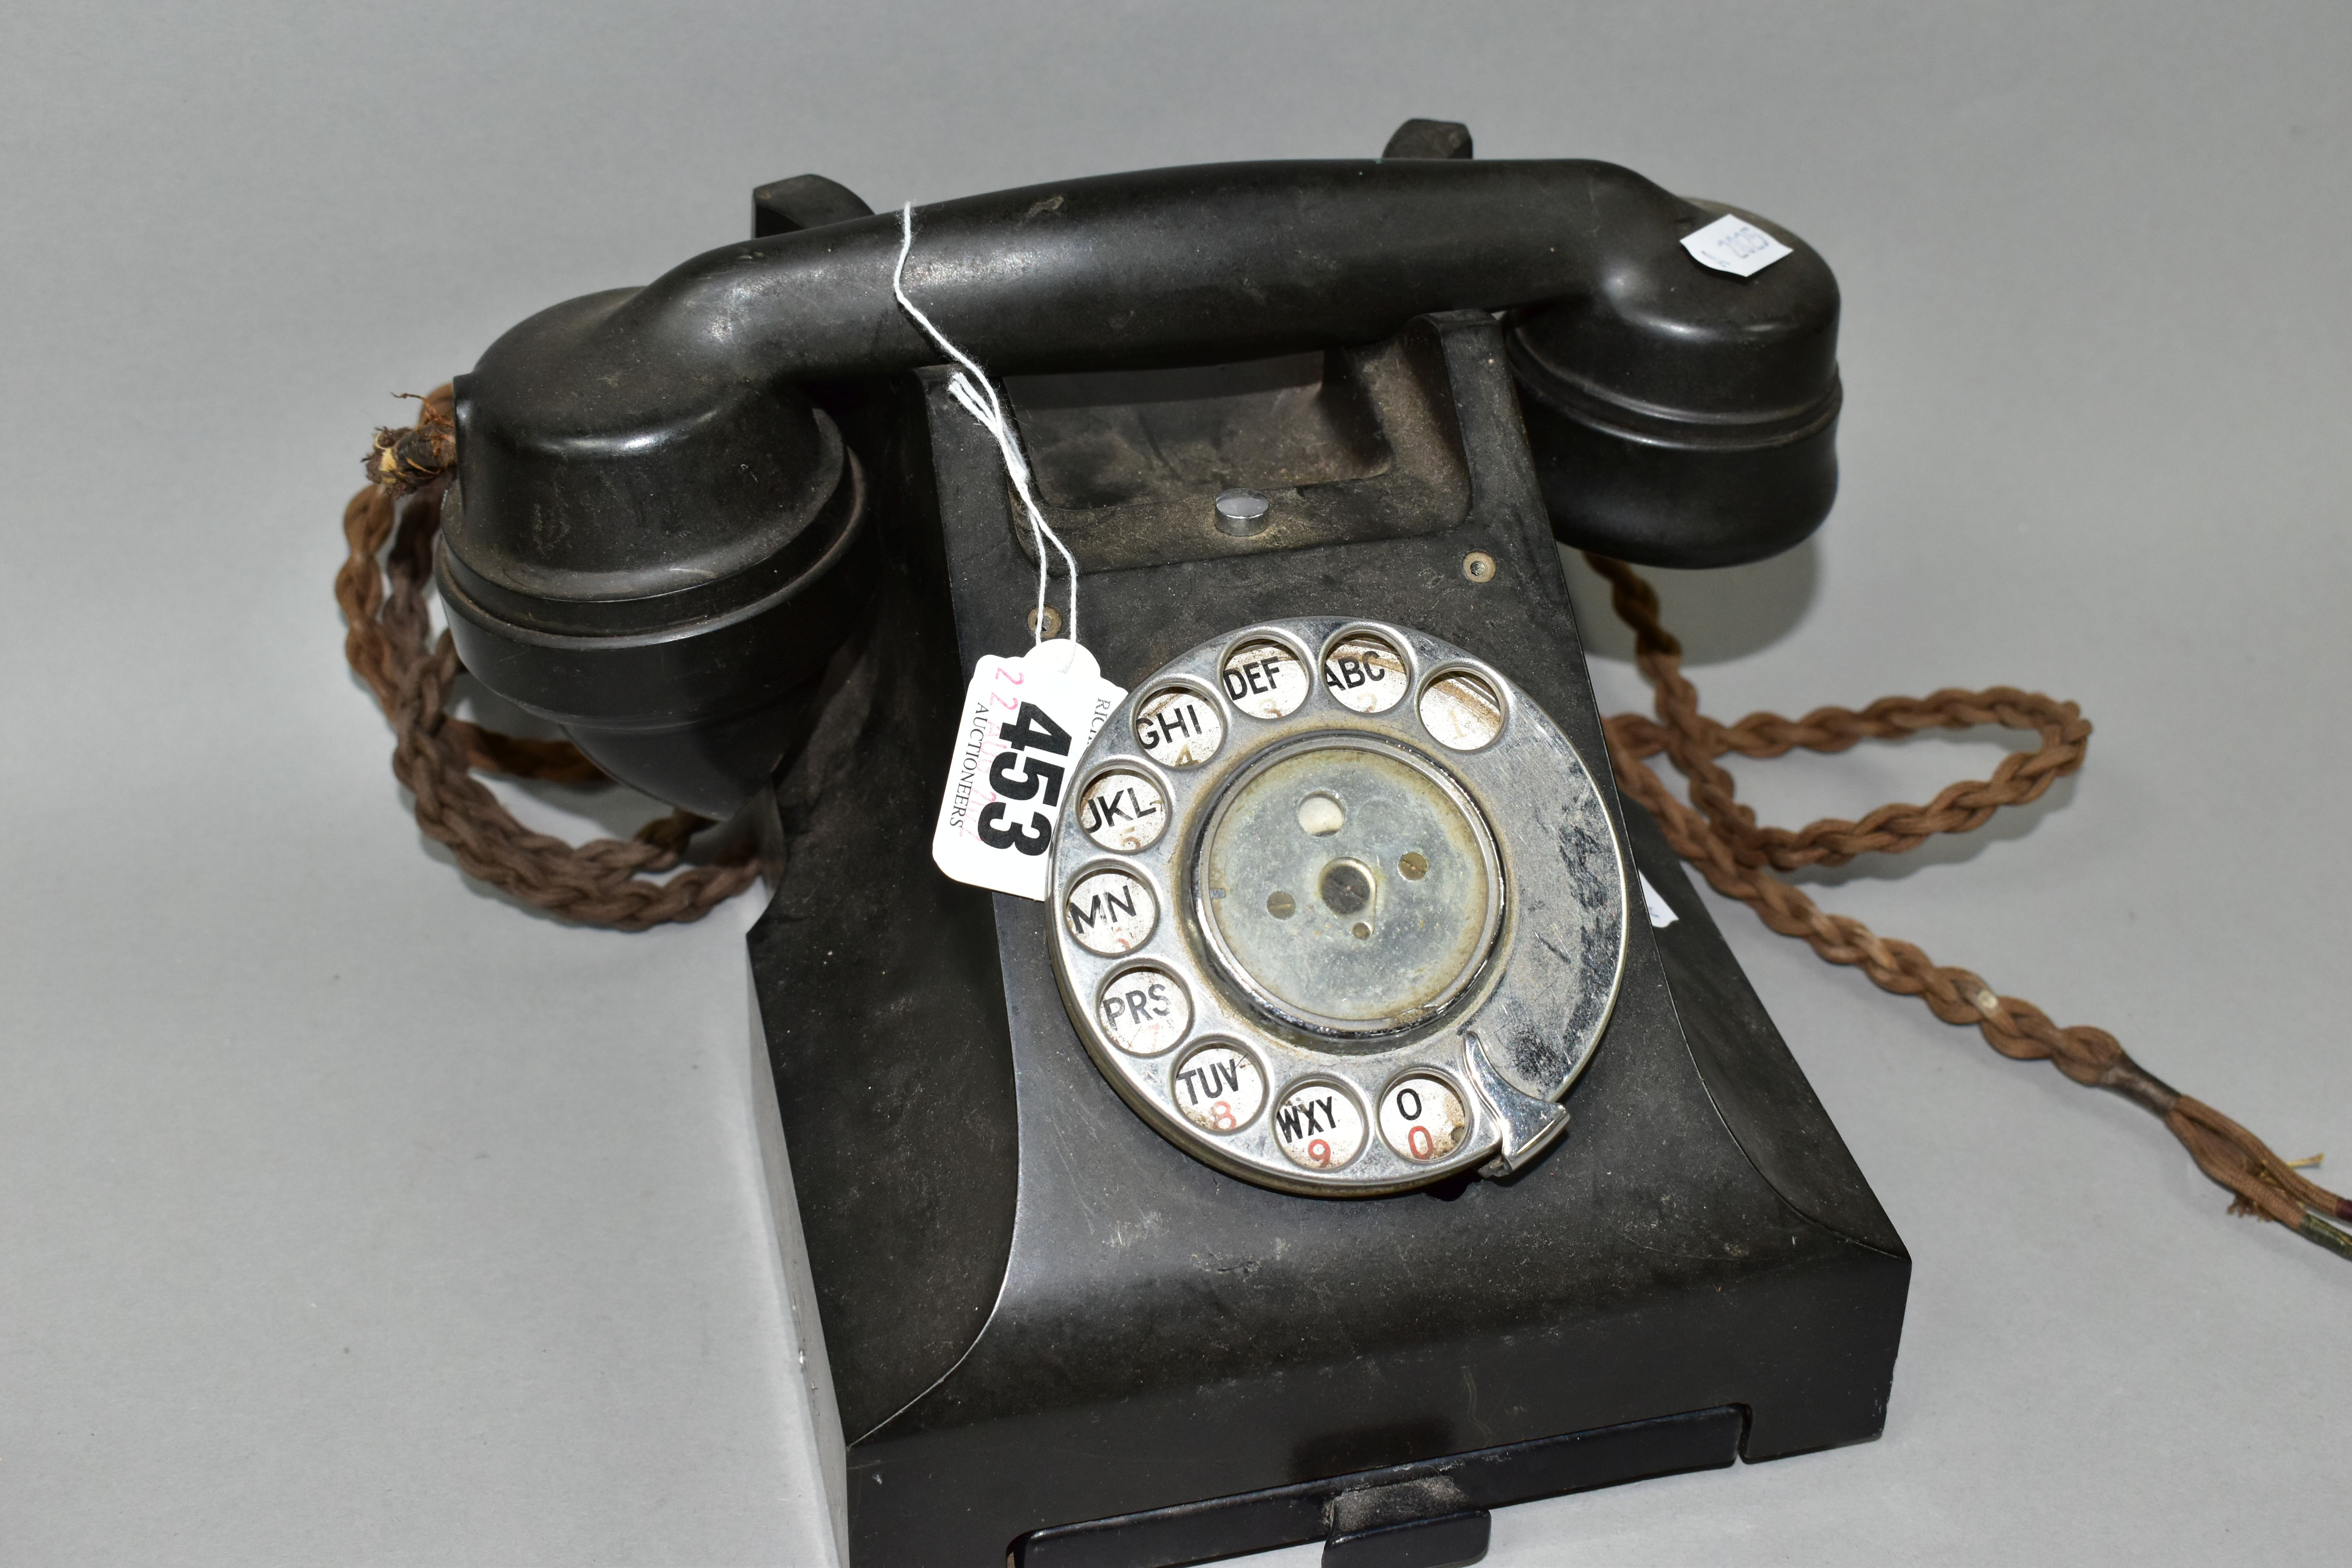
x=1264, y=680
x=1123, y=811
x=1462, y=710
x=1422, y=1119
x=1364, y=673
x=1179, y=727
x=1144, y=1012
x=1110, y=911
x=1319, y=1126
x=1219, y=1088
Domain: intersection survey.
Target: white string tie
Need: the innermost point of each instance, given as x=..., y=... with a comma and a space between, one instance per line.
x=971, y=387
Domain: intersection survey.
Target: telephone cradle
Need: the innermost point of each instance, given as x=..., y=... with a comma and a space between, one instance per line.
x=1044, y=1317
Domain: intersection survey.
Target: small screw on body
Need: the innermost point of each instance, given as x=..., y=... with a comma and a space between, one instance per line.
x=1245, y=514
x=1053, y=623
x=1478, y=566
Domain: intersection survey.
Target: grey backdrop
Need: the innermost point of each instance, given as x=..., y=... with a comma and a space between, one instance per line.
x=350, y=1214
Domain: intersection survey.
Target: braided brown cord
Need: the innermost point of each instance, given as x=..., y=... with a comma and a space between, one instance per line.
x=1738, y=857
x=381, y=588
x=389, y=527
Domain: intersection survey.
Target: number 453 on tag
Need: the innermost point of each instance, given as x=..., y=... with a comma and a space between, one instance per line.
x=1026, y=721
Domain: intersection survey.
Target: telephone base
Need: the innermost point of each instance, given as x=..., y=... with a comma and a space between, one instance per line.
x=1034, y=1326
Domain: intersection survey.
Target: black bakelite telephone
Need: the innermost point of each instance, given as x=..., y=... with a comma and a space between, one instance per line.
x=1370, y=1128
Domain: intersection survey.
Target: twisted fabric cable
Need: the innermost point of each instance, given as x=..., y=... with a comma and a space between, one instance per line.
x=1718, y=835
x=389, y=526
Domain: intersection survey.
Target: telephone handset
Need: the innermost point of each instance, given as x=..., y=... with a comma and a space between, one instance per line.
x=1341, y=909
x=1340, y=901
x=662, y=525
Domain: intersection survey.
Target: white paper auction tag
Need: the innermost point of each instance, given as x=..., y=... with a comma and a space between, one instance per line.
x=1661, y=913
x=1026, y=721
x=1734, y=244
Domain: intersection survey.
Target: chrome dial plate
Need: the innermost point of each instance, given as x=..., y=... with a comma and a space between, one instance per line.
x=1377, y=927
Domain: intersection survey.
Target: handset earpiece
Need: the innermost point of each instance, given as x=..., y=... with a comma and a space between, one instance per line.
x=1684, y=416
x=677, y=636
